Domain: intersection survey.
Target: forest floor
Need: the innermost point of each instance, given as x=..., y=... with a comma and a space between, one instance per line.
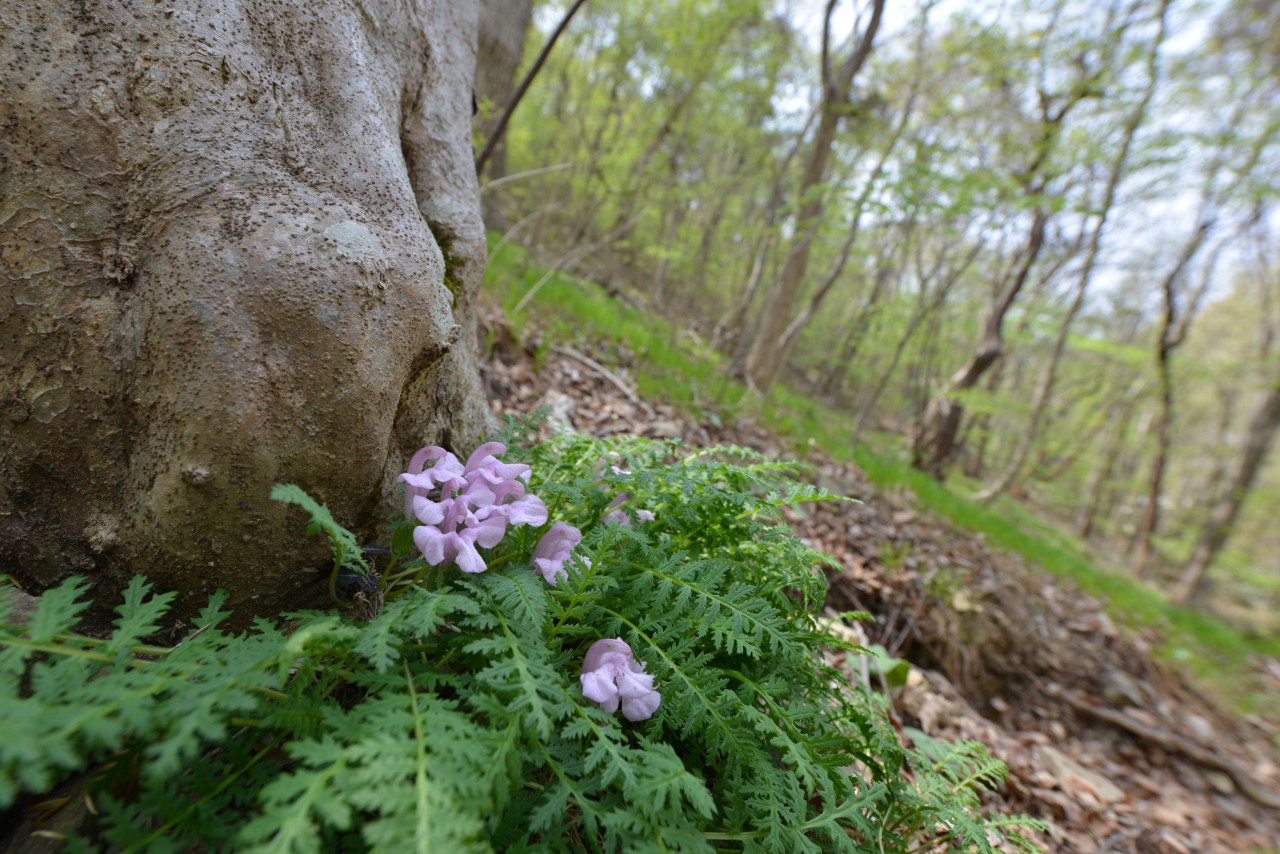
x=1116, y=749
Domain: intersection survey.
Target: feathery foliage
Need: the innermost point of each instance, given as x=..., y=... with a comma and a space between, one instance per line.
x=453, y=720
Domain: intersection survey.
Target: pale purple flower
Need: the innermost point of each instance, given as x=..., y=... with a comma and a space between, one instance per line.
x=477, y=502
x=451, y=531
x=617, y=516
x=444, y=471
x=556, y=547
x=485, y=472
x=612, y=676
x=522, y=509
x=616, y=469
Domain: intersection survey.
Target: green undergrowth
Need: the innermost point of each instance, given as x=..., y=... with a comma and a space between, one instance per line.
x=670, y=365
x=452, y=711
x=684, y=372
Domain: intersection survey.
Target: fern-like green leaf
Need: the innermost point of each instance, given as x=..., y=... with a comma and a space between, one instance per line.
x=347, y=553
x=58, y=609
x=140, y=614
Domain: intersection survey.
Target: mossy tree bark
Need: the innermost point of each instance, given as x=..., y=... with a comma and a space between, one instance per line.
x=240, y=244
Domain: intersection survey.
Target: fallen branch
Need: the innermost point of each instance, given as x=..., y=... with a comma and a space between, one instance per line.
x=607, y=374
x=1174, y=743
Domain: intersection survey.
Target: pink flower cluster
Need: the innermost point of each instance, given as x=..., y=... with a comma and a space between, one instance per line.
x=473, y=506
x=612, y=676
x=477, y=501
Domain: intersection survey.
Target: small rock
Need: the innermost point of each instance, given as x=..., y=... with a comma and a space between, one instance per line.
x=1119, y=690
x=1201, y=727
x=1072, y=775
x=1221, y=783
x=665, y=429
x=21, y=604
x=561, y=406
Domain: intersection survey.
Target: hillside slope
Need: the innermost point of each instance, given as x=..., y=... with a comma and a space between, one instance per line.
x=1113, y=746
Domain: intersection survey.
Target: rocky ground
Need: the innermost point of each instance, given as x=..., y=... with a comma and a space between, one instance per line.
x=1113, y=748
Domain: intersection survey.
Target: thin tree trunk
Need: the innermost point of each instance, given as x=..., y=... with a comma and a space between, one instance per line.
x=503, y=26
x=1262, y=429
x=762, y=362
x=1102, y=476
x=836, y=367
x=737, y=323
x=1066, y=455
x=634, y=190
x=935, y=444
x=1044, y=390
x=674, y=219
x=862, y=317
x=1173, y=330
x=803, y=319
x=923, y=309
x=496, y=136
x=1172, y=334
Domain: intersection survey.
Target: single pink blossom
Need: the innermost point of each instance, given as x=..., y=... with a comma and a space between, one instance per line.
x=612, y=676
x=617, y=516
x=419, y=480
x=556, y=547
x=484, y=459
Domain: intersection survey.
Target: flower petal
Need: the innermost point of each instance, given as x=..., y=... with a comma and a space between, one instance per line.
x=527, y=511
x=468, y=559
x=490, y=531
x=552, y=570
x=434, y=544
x=632, y=684
x=599, y=687
x=598, y=650
x=427, y=511
x=477, y=458
x=641, y=708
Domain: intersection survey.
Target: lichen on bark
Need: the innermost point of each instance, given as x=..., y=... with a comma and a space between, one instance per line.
x=216, y=233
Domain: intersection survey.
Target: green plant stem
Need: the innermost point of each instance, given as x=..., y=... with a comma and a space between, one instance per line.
x=140, y=649
x=735, y=837
x=55, y=649
x=575, y=598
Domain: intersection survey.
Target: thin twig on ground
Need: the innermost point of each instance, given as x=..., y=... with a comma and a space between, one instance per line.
x=607, y=374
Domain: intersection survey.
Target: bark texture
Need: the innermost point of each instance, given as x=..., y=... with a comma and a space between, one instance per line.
x=240, y=243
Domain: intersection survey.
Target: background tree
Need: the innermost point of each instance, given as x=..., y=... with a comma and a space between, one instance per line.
x=962, y=199
x=504, y=24
x=767, y=350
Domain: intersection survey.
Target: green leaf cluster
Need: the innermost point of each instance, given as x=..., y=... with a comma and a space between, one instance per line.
x=453, y=720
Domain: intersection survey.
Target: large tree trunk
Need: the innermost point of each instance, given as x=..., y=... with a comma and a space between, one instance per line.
x=241, y=243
